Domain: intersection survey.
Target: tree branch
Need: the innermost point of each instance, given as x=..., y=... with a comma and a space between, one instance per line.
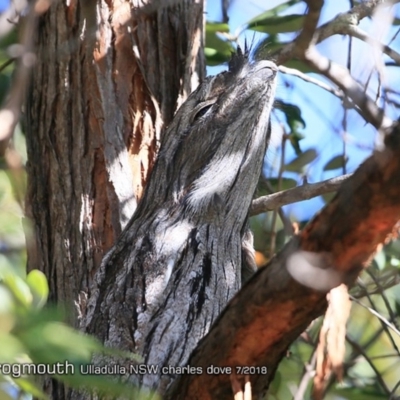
x=342, y=21
x=269, y=312
x=358, y=33
x=300, y=193
x=309, y=79
x=306, y=37
x=303, y=48
x=341, y=77
x=338, y=25
x=10, y=113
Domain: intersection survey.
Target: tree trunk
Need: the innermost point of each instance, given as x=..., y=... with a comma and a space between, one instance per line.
x=108, y=76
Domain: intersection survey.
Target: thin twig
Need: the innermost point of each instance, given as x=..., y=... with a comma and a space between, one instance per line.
x=341, y=76
x=384, y=326
x=6, y=64
x=372, y=311
x=304, y=49
x=9, y=115
x=358, y=33
x=300, y=193
x=309, y=79
x=333, y=27
x=361, y=351
x=308, y=373
x=382, y=293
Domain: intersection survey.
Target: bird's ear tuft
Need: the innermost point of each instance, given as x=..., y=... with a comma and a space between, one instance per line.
x=239, y=59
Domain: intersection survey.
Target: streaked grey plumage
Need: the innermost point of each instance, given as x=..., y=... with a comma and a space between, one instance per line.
x=179, y=259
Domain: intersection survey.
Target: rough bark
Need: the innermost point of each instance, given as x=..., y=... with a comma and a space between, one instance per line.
x=94, y=123
x=109, y=75
x=179, y=260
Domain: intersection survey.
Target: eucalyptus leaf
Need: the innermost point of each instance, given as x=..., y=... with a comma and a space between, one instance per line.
x=277, y=24
x=336, y=162
x=19, y=289
x=37, y=281
x=292, y=114
x=217, y=50
x=274, y=11
x=301, y=161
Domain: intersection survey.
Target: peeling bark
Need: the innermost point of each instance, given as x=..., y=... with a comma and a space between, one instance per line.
x=94, y=116
x=109, y=75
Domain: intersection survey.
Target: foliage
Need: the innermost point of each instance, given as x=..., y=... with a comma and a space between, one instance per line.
x=371, y=362
x=32, y=333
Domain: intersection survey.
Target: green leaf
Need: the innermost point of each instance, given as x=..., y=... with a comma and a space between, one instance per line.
x=54, y=341
x=11, y=347
x=217, y=50
x=396, y=21
x=19, y=289
x=6, y=301
x=274, y=11
x=294, y=120
x=294, y=139
x=216, y=27
x=267, y=47
x=302, y=160
x=336, y=162
x=292, y=114
x=40, y=288
x=299, y=65
x=277, y=24
x=286, y=183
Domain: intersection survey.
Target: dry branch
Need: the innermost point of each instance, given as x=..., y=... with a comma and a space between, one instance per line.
x=337, y=26
x=272, y=309
x=304, y=49
x=300, y=193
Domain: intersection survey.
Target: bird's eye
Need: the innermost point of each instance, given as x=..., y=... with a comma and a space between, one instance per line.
x=202, y=108
x=202, y=112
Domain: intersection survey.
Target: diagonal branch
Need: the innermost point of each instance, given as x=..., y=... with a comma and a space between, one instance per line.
x=300, y=193
x=271, y=310
x=338, y=25
x=309, y=79
x=341, y=76
x=307, y=34
x=358, y=33
x=304, y=49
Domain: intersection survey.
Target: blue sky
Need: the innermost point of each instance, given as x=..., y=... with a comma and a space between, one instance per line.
x=4, y=4
x=322, y=111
